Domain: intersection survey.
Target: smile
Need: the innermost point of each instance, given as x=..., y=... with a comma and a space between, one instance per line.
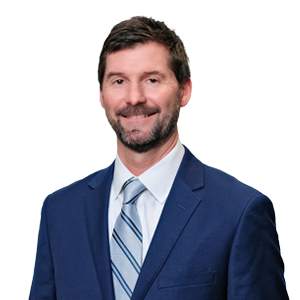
x=138, y=116
x=135, y=117
x=140, y=111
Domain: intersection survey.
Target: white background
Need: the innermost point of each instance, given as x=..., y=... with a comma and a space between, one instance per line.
x=243, y=117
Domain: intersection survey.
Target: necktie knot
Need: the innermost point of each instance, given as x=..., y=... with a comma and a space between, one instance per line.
x=133, y=188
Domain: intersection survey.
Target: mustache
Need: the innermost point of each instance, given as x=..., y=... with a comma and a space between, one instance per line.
x=136, y=110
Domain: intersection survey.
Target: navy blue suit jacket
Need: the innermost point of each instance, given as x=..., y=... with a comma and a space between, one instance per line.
x=216, y=240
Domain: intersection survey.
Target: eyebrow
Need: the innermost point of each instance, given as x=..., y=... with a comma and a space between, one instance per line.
x=162, y=75
x=154, y=72
x=111, y=74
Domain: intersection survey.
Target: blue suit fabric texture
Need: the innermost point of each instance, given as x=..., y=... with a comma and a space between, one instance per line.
x=216, y=240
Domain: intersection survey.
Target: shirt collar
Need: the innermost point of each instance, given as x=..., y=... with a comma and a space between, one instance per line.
x=158, y=179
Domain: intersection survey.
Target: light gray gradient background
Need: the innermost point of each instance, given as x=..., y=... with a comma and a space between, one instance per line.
x=237, y=120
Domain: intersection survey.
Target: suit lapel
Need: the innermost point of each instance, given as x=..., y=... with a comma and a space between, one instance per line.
x=96, y=208
x=179, y=207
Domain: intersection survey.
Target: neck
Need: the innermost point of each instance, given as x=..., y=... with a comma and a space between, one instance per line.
x=138, y=163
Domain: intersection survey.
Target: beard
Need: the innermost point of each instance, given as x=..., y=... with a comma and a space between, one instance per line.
x=139, y=141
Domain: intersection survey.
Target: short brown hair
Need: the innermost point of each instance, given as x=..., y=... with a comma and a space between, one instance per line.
x=140, y=30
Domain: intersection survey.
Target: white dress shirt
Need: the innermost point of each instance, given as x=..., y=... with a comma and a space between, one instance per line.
x=158, y=180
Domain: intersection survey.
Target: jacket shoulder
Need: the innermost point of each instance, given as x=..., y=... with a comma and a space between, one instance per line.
x=213, y=181
x=225, y=182
x=79, y=188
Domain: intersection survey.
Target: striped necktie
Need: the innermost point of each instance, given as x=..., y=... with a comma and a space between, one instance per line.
x=127, y=242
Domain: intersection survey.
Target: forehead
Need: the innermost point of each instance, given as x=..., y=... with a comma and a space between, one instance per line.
x=141, y=57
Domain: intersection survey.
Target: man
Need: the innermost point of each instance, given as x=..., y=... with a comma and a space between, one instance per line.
x=157, y=223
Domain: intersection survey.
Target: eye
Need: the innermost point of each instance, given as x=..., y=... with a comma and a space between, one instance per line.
x=152, y=80
x=119, y=81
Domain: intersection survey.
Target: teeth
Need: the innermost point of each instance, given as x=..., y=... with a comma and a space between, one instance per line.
x=135, y=117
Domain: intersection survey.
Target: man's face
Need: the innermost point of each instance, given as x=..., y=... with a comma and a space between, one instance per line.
x=140, y=95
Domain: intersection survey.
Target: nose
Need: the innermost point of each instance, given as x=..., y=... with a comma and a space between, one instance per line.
x=136, y=94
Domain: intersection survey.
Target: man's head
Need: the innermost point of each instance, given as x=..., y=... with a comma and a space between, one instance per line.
x=141, y=30
x=144, y=78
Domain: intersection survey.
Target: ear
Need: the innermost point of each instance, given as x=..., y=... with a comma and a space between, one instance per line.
x=186, y=92
x=101, y=99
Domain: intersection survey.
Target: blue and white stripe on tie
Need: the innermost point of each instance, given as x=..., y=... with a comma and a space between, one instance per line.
x=127, y=242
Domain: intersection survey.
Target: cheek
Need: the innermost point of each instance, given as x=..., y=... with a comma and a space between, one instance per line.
x=169, y=102
x=111, y=101
x=163, y=99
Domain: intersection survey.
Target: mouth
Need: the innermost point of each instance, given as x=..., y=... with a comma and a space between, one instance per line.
x=139, y=111
x=138, y=116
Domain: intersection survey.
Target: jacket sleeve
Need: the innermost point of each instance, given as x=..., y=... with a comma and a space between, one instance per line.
x=43, y=285
x=256, y=269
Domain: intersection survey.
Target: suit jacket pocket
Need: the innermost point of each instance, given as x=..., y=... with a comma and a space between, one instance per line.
x=189, y=279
